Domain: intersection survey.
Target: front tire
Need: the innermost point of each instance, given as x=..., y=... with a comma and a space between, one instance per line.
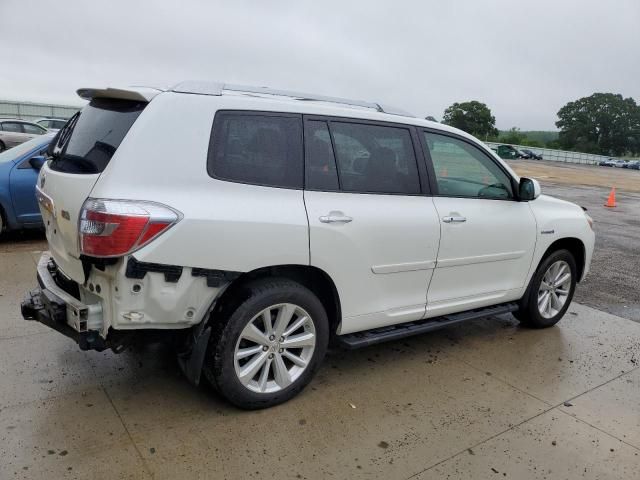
x=269, y=346
x=550, y=292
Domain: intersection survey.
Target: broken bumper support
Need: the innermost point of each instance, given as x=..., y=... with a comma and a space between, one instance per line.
x=52, y=306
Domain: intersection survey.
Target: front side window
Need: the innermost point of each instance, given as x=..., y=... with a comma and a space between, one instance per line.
x=375, y=159
x=33, y=129
x=16, y=152
x=257, y=148
x=462, y=170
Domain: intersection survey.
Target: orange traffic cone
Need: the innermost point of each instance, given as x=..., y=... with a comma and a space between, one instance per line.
x=611, y=201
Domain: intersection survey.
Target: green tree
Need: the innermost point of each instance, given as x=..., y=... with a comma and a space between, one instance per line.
x=473, y=117
x=514, y=136
x=602, y=123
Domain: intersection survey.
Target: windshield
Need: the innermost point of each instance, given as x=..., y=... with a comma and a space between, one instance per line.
x=15, y=152
x=89, y=139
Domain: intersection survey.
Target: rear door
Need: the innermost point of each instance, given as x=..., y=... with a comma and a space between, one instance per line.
x=13, y=134
x=488, y=237
x=372, y=226
x=80, y=152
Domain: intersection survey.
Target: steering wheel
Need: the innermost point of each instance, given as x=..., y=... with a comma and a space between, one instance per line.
x=490, y=191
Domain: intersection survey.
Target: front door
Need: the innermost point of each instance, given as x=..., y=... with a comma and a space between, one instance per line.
x=372, y=228
x=488, y=237
x=22, y=183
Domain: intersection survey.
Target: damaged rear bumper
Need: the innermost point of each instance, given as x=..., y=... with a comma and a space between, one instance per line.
x=54, y=307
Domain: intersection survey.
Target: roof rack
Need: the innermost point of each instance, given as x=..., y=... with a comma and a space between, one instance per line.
x=218, y=88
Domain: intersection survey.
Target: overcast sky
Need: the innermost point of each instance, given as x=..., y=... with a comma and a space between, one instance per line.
x=523, y=58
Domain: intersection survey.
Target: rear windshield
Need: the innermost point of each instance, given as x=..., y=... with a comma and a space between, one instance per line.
x=89, y=140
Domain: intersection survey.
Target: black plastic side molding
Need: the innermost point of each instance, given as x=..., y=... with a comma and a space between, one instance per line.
x=138, y=270
x=172, y=273
x=215, y=278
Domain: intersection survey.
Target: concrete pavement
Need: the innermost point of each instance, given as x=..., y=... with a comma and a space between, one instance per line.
x=483, y=400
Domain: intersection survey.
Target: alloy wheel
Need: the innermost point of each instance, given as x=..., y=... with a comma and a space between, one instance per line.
x=554, y=289
x=274, y=348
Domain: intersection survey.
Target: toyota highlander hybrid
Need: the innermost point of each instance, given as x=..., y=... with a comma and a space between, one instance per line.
x=254, y=226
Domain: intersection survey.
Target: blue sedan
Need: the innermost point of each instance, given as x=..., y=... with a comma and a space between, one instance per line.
x=19, y=167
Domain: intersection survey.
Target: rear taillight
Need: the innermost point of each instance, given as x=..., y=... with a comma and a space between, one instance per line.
x=113, y=228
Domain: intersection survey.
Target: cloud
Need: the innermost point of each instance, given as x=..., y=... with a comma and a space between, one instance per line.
x=525, y=59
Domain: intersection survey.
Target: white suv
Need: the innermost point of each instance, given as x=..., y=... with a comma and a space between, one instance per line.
x=255, y=225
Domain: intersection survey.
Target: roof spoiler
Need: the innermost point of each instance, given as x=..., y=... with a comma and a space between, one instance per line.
x=139, y=94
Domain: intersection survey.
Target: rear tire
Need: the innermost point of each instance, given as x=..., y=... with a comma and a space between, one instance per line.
x=2, y=147
x=267, y=347
x=550, y=291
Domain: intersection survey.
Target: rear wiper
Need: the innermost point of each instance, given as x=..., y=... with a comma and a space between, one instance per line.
x=62, y=137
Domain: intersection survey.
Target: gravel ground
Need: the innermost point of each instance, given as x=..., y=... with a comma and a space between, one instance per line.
x=613, y=284
x=574, y=174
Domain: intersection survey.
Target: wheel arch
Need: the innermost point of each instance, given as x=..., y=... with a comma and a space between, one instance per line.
x=575, y=246
x=313, y=278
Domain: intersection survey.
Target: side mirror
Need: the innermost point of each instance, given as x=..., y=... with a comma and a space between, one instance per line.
x=529, y=189
x=37, y=162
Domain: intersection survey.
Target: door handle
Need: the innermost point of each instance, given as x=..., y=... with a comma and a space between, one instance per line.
x=335, y=217
x=454, y=219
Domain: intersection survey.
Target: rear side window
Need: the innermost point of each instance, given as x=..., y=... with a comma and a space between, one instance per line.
x=375, y=159
x=257, y=148
x=90, y=139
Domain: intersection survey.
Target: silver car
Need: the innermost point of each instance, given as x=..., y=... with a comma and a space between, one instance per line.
x=14, y=132
x=51, y=124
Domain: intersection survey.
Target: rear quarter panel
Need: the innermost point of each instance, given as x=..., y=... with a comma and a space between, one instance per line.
x=225, y=225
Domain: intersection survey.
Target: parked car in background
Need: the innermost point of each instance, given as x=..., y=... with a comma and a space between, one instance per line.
x=508, y=152
x=634, y=165
x=531, y=154
x=14, y=132
x=289, y=220
x=51, y=124
x=19, y=169
x=619, y=163
x=609, y=162
x=630, y=163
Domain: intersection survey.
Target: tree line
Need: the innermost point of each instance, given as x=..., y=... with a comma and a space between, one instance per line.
x=603, y=123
